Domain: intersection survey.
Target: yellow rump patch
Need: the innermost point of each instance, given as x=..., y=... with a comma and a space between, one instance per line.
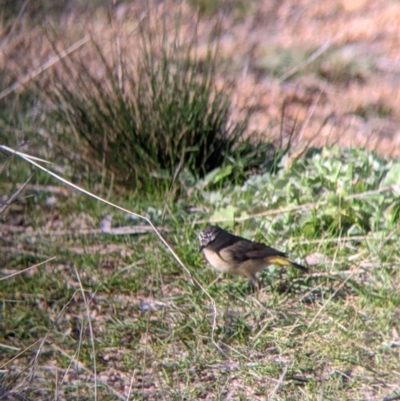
x=278, y=260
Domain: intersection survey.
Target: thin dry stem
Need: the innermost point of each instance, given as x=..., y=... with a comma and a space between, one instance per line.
x=87, y=370
x=27, y=269
x=24, y=80
x=19, y=354
x=90, y=329
x=280, y=381
x=321, y=50
x=30, y=160
x=308, y=205
x=328, y=300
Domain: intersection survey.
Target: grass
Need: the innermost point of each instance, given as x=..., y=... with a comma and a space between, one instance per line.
x=159, y=109
x=118, y=313
x=117, y=317
x=338, y=65
x=238, y=8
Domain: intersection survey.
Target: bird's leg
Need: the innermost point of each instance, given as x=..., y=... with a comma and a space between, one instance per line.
x=254, y=284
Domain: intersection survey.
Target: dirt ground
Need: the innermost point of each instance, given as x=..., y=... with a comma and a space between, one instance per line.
x=335, y=66
x=350, y=96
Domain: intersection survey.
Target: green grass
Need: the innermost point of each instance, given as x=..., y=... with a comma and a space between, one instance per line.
x=331, y=334
x=237, y=9
x=341, y=66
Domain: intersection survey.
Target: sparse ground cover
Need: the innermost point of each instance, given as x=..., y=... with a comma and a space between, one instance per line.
x=104, y=310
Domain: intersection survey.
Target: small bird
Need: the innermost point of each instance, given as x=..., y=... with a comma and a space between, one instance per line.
x=232, y=254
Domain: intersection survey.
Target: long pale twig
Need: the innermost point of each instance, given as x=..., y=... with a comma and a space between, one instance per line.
x=126, y=230
x=146, y=219
x=40, y=188
x=90, y=330
x=14, y=195
x=340, y=239
x=46, y=336
x=25, y=270
x=280, y=381
x=87, y=370
x=43, y=67
x=19, y=354
x=28, y=159
x=15, y=24
x=308, y=205
x=329, y=300
x=317, y=53
x=17, y=251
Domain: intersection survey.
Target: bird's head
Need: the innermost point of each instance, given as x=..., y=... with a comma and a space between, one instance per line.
x=208, y=235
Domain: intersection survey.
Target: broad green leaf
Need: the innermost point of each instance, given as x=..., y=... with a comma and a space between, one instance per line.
x=226, y=213
x=217, y=175
x=392, y=176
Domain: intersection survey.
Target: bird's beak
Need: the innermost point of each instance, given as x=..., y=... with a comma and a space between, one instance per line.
x=201, y=248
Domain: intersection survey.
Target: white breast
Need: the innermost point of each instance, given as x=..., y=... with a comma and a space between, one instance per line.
x=216, y=262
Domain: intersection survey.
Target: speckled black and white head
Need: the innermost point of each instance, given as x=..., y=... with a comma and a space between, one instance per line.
x=208, y=235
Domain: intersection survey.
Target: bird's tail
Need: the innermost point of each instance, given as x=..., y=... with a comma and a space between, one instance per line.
x=300, y=267
x=283, y=261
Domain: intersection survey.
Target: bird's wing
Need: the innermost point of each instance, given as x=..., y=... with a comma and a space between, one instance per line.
x=244, y=250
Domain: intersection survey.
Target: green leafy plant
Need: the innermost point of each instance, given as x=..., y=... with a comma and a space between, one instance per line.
x=344, y=189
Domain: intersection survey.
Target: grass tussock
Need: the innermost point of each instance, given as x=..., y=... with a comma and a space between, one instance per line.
x=146, y=115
